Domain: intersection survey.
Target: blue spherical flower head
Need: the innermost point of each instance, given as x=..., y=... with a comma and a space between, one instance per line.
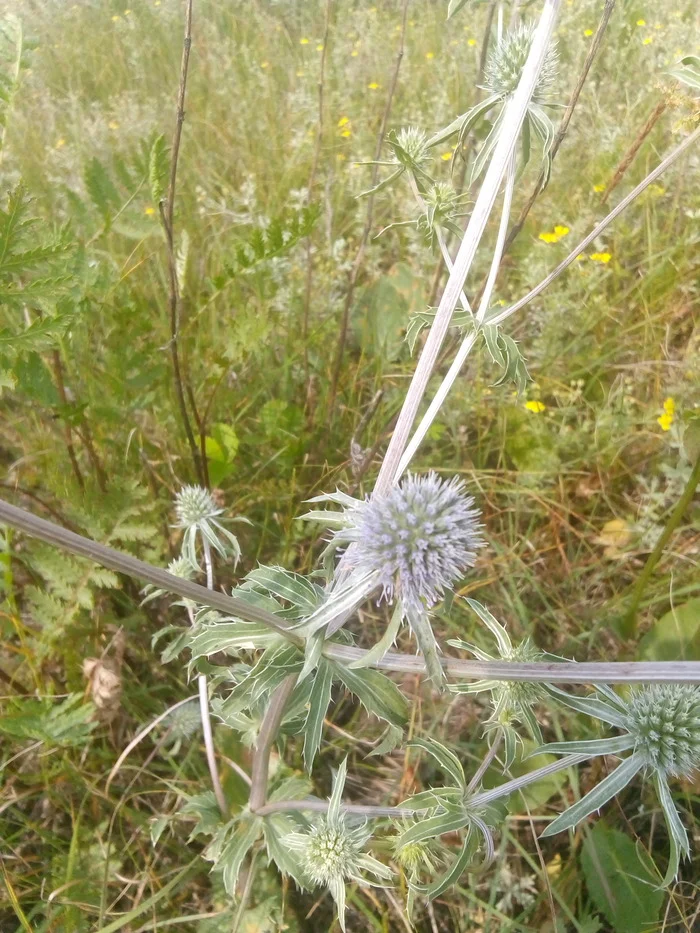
x=421, y=536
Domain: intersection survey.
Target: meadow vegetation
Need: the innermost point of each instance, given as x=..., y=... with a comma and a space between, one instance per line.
x=296, y=297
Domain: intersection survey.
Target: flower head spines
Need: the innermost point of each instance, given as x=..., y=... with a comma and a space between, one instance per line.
x=505, y=64
x=194, y=505
x=664, y=720
x=421, y=536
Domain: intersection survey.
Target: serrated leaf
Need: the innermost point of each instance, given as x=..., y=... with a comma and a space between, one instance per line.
x=376, y=692
x=446, y=759
x=318, y=707
x=232, y=855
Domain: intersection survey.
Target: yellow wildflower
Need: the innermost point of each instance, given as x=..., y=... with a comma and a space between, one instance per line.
x=343, y=121
x=560, y=230
x=588, y=32
x=670, y=406
x=149, y=211
x=115, y=19
x=471, y=43
x=430, y=55
x=535, y=406
x=354, y=53
x=346, y=133
x=319, y=47
x=641, y=22
x=373, y=86
x=648, y=40
x=580, y=257
x=665, y=421
x=303, y=41
x=113, y=125
x=446, y=156
x=548, y=237
x=264, y=64
x=60, y=143
x=601, y=257
x=598, y=188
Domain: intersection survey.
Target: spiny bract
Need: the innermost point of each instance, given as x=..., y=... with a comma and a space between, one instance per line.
x=664, y=720
x=421, y=536
x=505, y=64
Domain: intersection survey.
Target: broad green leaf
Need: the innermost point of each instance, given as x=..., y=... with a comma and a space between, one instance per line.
x=318, y=707
x=675, y=636
x=620, y=884
x=376, y=692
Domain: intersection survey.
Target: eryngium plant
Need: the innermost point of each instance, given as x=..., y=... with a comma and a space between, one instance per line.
x=198, y=515
x=331, y=852
x=660, y=723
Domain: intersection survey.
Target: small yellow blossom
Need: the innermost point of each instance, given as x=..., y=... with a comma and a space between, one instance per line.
x=149, y=211
x=373, y=86
x=560, y=230
x=641, y=22
x=343, y=121
x=598, y=188
x=535, y=406
x=601, y=257
x=430, y=55
x=446, y=156
x=346, y=133
x=648, y=40
x=115, y=19
x=354, y=53
x=113, y=125
x=60, y=143
x=548, y=237
x=580, y=257
x=319, y=47
x=588, y=32
x=303, y=41
x=471, y=43
x=665, y=421
x=670, y=406
x=264, y=64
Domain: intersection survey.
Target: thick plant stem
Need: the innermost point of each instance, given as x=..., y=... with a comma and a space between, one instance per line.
x=513, y=118
x=204, y=704
x=573, y=672
x=629, y=623
x=266, y=736
x=167, y=209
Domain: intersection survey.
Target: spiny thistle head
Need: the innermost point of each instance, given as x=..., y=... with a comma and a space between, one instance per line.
x=505, y=64
x=331, y=852
x=664, y=720
x=197, y=513
x=194, y=505
x=512, y=697
x=181, y=567
x=413, y=142
x=184, y=721
x=421, y=536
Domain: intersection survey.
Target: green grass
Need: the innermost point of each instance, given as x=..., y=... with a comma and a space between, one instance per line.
x=605, y=346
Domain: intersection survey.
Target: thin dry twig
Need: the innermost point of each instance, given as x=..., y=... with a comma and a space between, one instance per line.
x=631, y=153
x=360, y=255
x=167, y=208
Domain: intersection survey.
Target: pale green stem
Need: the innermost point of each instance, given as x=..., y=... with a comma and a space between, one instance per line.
x=514, y=115
x=204, y=703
